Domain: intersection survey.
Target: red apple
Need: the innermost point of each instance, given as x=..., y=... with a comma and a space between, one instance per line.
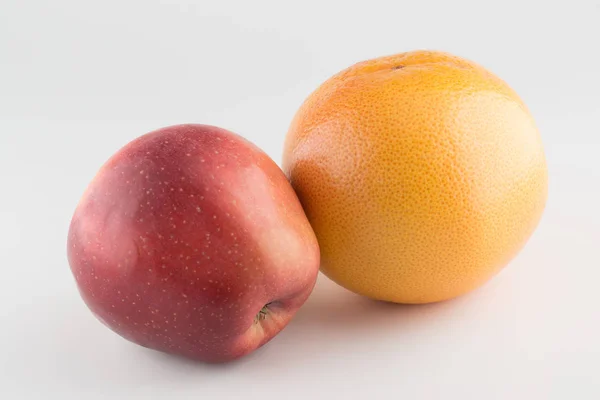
x=190, y=240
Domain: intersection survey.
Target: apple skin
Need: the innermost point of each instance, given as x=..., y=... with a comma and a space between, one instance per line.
x=182, y=238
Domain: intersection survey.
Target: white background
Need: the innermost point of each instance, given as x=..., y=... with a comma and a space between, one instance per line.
x=79, y=79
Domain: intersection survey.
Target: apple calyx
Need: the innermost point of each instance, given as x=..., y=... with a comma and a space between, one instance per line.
x=262, y=314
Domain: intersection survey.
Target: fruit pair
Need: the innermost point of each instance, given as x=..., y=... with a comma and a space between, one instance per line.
x=422, y=175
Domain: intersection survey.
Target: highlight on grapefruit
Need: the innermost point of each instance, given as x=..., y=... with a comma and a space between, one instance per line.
x=422, y=174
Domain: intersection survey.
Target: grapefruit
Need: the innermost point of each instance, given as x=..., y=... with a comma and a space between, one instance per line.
x=422, y=174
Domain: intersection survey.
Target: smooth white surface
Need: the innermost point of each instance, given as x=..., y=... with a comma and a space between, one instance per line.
x=80, y=79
